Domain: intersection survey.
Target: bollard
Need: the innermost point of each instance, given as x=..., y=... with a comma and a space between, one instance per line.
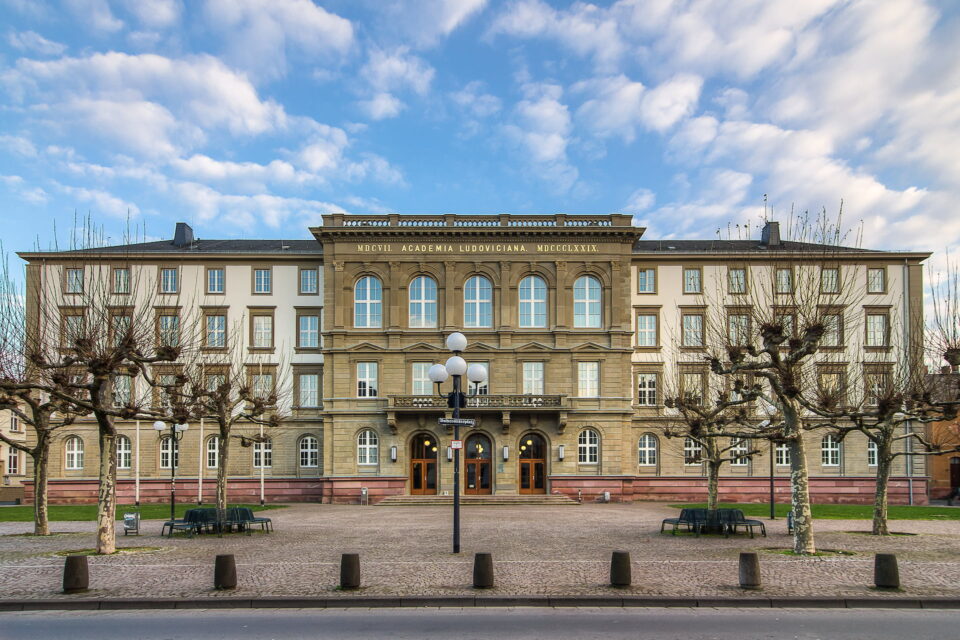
x=749, y=571
x=350, y=571
x=886, y=574
x=225, y=572
x=620, y=569
x=76, y=575
x=482, y=571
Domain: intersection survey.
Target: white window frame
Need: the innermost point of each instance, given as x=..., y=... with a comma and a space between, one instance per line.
x=533, y=378
x=262, y=331
x=687, y=329
x=14, y=423
x=830, y=280
x=308, y=395
x=647, y=389
x=783, y=285
x=263, y=454
x=692, y=450
x=73, y=450
x=738, y=329
x=368, y=448
x=122, y=390
x=367, y=385
x=308, y=337
x=422, y=295
x=216, y=331
x=877, y=330
x=685, y=381
x=13, y=462
x=872, y=453
x=832, y=324
x=876, y=280
x=532, y=296
x=419, y=376
x=646, y=280
x=477, y=302
x=782, y=455
x=124, y=453
x=74, y=283
x=169, y=282
x=588, y=447
x=216, y=280
x=588, y=379
x=165, y=446
x=121, y=280
x=169, y=329
x=692, y=280
x=368, y=310
x=587, y=303
x=261, y=385
x=647, y=450
x=309, y=450
x=737, y=280
x=263, y=281
x=738, y=451
x=312, y=282
x=647, y=330
x=829, y=451
x=212, y=452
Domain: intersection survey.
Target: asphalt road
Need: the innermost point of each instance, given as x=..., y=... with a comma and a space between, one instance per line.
x=467, y=624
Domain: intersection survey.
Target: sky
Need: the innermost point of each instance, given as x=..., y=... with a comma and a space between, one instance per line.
x=253, y=118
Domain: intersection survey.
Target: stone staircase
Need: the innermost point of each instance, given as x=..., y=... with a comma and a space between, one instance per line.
x=532, y=500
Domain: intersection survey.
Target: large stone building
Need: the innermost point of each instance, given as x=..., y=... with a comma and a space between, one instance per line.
x=584, y=328
x=12, y=460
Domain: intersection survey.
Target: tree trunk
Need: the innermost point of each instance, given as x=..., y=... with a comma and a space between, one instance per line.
x=884, y=464
x=41, y=457
x=713, y=484
x=800, y=498
x=107, y=494
x=222, y=457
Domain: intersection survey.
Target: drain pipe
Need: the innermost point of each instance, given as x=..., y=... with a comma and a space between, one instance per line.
x=908, y=353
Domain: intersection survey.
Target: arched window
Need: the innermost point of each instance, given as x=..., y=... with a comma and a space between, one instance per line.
x=586, y=302
x=871, y=453
x=263, y=454
x=477, y=303
x=74, y=453
x=169, y=447
x=830, y=451
x=738, y=452
x=367, y=303
x=588, y=447
x=368, y=445
x=692, y=452
x=533, y=302
x=124, y=452
x=647, y=450
x=309, y=452
x=423, y=302
x=213, y=452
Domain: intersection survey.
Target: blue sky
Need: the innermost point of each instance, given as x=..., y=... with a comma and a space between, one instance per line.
x=253, y=118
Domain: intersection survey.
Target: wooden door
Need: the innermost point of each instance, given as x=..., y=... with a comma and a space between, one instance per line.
x=477, y=479
x=954, y=473
x=423, y=465
x=533, y=465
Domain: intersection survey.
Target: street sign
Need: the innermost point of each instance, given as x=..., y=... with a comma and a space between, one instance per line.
x=457, y=422
x=456, y=444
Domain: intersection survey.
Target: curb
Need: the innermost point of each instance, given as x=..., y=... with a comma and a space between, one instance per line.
x=93, y=604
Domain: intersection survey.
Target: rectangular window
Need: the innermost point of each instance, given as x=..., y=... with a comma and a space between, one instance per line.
x=213, y=452
x=262, y=384
x=738, y=452
x=692, y=452
x=165, y=383
x=737, y=280
x=309, y=386
x=787, y=320
x=121, y=281
x=647, y=330
x=168, y=280
x=871, y=453
x=832, y=333
x=14, y=424
x=830, y=280
x=262, y=332
x=692, y=330
x=308, y=281
x=308, y=332
x=169, y=446
x=215, y=381
x=784, y=281
x=168, y=328
x=831, y=386
x=691, y=280
x=646, y=281
x=588, y=376
x=74, y=281
x=13, y=462
x=262, y=455
x=366, y=379
x=876, y=280
x=262, y=281
x=783, y=455
x=120, y=328
x=421, y=379
x=121, y=390
x=738, y=329
x=533, y=378
x=877, y=331
x=692, y=387
x=216, y=280
x=72, y=328
x=216, y=331
x=877, y=387
x=830, y=452
x=647, y=389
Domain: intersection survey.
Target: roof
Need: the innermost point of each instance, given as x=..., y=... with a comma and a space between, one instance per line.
x=201, y=246
x=741, y=246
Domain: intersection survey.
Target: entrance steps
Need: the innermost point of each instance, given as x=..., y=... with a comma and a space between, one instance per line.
x=542, y=499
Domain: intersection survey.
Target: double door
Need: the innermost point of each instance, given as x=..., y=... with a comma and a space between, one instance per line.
x=533, y=464
x=478, y=473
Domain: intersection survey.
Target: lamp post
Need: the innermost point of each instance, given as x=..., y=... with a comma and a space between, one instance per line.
x=176, y=435
x=456, y=366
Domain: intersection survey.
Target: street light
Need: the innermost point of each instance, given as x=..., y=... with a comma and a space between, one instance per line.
x=176, y=435
x=438, y=373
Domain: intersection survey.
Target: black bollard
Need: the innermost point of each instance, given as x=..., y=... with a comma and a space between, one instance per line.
x=225, y=572
x=620, y=569
x=483, y=571
x=749, y=571
x=76, y=574
x=350, y=571
x=886, y=574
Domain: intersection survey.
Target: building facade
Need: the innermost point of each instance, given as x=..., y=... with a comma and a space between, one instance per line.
x=584, y=327
x=12, y=460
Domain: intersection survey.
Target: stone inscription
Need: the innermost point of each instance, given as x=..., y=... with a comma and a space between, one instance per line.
x=497, y=247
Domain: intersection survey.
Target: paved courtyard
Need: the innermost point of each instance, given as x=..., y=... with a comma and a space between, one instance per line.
x=537, y=550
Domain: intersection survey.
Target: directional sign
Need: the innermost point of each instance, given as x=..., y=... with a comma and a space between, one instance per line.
x=457, y=422
x=456, y=444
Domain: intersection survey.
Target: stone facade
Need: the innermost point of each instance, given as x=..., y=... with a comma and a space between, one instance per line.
x=554, y=306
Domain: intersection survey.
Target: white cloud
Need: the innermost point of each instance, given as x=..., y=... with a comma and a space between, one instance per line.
x=668, y=103
x=246, y=212
x=155, y=14
x=424, y=23
x=474, y=101
x=95, y=14
x=542, y=127
x=18, y=145
x=35, y=43
x=382, y=106
x=245, y=176
x=259, y=34
x=397, y=71
x=102, y=201
x=33, y=195
x=639, y=200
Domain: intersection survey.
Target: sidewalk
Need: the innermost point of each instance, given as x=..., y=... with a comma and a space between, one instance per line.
x=538, y=551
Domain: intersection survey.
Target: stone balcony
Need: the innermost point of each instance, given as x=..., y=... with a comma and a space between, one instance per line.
x=500, y=405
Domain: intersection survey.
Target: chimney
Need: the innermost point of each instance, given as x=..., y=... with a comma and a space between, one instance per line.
x=770, y=236
x=183, y=235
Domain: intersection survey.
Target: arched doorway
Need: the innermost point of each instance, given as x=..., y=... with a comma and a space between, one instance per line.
x=478, y=476
x=423, y=465
x=533, y=464
x=954, y=474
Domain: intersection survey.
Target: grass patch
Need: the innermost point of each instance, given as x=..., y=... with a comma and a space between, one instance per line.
x=88, y=512
x=122, y=551
x=839, y=511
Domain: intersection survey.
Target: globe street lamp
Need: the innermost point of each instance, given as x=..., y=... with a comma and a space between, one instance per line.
x=456, y=366
x=177, y=432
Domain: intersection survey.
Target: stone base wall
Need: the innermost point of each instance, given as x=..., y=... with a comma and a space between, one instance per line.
x=11, y=494
x=685, y=489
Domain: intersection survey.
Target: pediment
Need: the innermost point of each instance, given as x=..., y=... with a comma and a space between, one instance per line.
x=480, y=346
x=423, y=346
x=365, y=346
x=534, y=346
x=589, y=346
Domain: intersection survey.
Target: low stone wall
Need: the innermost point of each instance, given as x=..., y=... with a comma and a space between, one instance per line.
x=11, y=494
